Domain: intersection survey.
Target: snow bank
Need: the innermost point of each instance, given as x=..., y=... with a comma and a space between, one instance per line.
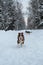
x=30, y=54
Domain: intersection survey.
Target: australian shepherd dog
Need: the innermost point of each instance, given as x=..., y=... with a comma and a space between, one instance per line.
x=20, y=40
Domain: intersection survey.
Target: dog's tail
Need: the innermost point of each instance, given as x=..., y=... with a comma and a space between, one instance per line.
x=28, y=32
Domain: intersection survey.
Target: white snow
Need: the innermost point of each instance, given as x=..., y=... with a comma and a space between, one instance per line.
x=30, y=54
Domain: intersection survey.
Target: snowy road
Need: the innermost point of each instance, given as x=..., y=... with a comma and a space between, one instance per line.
x=30, y=54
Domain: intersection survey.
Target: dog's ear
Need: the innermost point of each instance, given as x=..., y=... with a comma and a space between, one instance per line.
x=18, y=34
x=22, y=33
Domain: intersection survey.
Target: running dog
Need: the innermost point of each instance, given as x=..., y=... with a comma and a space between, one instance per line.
x=20, y=39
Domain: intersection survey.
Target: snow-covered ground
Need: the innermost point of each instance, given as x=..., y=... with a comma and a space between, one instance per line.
x=30, y=54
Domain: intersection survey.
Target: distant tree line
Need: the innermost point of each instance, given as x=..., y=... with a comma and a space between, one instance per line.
x=35, y=16
x=11, y=17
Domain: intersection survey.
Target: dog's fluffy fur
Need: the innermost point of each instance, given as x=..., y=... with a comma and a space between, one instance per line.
x=20, y=38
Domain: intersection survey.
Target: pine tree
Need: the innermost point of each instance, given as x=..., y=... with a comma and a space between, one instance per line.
x=34, y=16
x=20, y=18
x=1, y=15
x=11, y=17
